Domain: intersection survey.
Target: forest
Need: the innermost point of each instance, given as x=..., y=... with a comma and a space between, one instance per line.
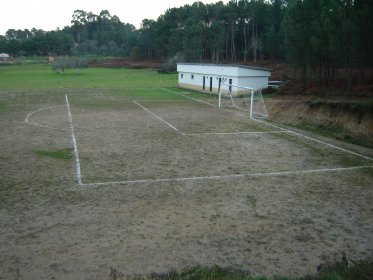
x=313, y=36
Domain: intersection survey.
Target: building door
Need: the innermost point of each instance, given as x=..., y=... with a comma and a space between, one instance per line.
x=230, y=85
x=204, y=83
x=210, y=84
x=219, y=84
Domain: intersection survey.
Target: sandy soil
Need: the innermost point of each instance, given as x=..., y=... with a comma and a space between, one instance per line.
x=51, y=228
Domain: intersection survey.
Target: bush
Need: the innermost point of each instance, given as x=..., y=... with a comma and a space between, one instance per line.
x=170, y=65
x=136, y=53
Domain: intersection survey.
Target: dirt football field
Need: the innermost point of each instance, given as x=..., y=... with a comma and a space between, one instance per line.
x=148, y=180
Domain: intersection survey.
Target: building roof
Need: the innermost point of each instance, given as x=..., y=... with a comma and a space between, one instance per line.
x=228, y=65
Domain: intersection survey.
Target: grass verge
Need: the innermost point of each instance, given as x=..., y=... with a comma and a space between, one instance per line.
x=333, y=131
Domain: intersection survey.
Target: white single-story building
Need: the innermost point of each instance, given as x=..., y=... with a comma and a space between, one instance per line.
x=209, y=77
x=4, y=56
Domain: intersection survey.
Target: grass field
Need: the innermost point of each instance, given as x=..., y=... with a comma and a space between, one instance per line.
x=38, y=77
x=108, y=170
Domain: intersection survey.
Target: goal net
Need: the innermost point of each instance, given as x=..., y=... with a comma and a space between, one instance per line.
x=243, y=98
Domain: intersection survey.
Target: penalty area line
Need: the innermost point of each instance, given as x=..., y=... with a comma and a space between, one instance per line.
x=156, y=116
x=232, y=176
x=195, y=99
x=75, y=145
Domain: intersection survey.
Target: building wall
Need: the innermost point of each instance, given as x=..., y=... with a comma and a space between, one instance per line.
x=255, y=72
x=195, y=82
x=253, y=82
x=191, y=76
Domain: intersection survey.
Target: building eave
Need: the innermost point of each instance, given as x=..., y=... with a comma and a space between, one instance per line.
x=229, y=65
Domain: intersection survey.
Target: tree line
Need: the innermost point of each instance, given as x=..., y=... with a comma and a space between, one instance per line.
x=88, y=33
x=315, y=36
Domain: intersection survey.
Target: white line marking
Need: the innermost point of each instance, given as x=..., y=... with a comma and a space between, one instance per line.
x=236, y=133
x=27, y=119
x=290, y=131
x=218, y=177
x=162, y=100
x=86, y=94
x=195, y=99
x=45, y=93
x=203, y=133
x=76, y=154
x=159, y=118
x=316, y=140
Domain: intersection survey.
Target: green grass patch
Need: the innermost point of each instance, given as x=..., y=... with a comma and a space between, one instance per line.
x=352, y=161
x=353, y=106
x=362, y=270
x=3, y=107
x=200, y=273
x=60, y=154
x=270, y=95
x=41, y=76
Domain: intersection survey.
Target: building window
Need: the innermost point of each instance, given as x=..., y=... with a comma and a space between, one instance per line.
x=181, y=75
x=192, y=76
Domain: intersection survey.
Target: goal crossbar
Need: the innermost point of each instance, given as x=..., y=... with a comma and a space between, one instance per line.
x=236, y=86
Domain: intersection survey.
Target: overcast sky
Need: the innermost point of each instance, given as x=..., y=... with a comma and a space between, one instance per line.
x=49, y=14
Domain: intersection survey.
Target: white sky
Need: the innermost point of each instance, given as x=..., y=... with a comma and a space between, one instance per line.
x=49, y=14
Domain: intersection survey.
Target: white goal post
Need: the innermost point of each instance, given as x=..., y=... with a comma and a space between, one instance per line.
x=243, y=98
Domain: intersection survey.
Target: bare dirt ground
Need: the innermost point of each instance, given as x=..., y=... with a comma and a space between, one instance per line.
x=196, y=197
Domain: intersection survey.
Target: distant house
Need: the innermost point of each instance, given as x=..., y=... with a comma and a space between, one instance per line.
x=4, y=57
x=208, y=77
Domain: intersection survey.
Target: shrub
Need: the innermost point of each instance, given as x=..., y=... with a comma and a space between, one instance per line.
x=136, y=53
x=170, y=65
